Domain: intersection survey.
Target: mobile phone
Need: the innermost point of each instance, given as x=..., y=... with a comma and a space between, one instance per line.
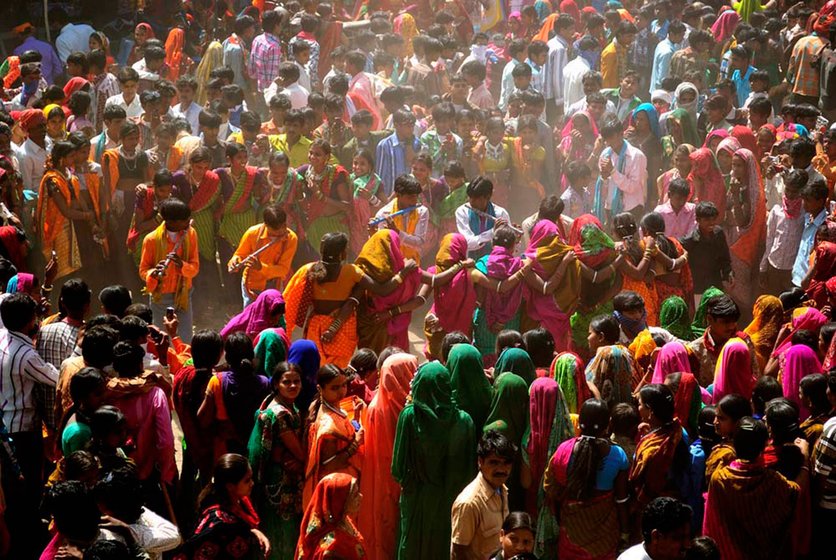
x=169, y=313
x=54, y=254
x=356, y=424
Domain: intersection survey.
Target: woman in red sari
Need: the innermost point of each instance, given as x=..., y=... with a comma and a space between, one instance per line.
x=823, y=267
x=662, y=455
x=706, y=180
x=327, y=529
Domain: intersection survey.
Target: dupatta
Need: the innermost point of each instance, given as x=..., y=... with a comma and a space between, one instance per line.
x=327, y=530
x=271, y=349
x=672, y=358
x=550, y=425
x=613, y=370
x=174, y=45
x=593, y=247
x=712, y=186
x=567, y=144
x=500, y=265
x=471, y=389
x=453, y=303
x=673, y=317
x=516, y=360
x=257, y=316
x=803, y=318
x=825, y=268
x=751, y=237
x=798, y=361
x=733, y=373
x=509, y=408
x=653, y=461
x=700, y=323
x=567, y=370
x=767, y=318
x=547, y=250
x=687, y=401
x=50, y=219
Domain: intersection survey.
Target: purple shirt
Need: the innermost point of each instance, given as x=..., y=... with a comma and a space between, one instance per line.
x=51, y=66
x=681, y=224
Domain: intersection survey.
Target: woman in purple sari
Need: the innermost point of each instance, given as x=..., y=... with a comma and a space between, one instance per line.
x=266, y=312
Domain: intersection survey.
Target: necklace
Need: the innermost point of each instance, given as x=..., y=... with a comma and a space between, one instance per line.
x=129, y=161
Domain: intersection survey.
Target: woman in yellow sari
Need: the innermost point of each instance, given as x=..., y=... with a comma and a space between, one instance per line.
x=59, y=204
x=765, y=326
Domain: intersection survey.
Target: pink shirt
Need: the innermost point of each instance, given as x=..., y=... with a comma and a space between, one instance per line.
x=149, y=424
x=681, y=224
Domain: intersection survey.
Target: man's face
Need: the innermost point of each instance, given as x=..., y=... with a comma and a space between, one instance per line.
x=210, y=135
x=737, y=62
x=626, y=39
x=164, y=141
x=293, y=129
x=185, y=95
x=672, y=545
x=129, y=89
x=678, y=201
x=522, y=82
x=407, y=200
x=722, y=328
x=404, y=130
x=361, y=130
x=676, y=38
x=813, y=206
x=478, y=202
x=615, y=141
x=113, y=128
x=829, y=145
x=706, y=226
x=808, y=122
x=459, y=90
x=495, y=469
x=37, y=133
x=249, y=34
x=303, y=57
x=33, y=78
x=74, y=69
x=596, y=110
x=629, y=85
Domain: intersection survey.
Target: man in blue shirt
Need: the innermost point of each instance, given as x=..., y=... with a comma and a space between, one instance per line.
x=664, y=52
x=814, y=197
x=51, y=65
x=395, y=153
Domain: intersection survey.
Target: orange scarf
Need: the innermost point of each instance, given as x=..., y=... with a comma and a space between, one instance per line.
x=50, y=219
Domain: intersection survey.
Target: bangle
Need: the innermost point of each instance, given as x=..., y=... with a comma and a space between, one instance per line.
x=398, y=278
x=46, y=289
x=432, y=281
x=545, y=287
x=499, y=287
x=623, y=501
x=355, y=300
x=398, y=310
x=422, y=298
x=595, y=277
x=391, y=313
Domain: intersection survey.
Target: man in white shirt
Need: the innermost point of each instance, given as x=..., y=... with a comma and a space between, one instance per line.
x=576, y=69
x=187, y=108
x=407, y=194
x=623, y=170
x=288, y=84
x=591, y=83
x=477, y=218
x=564, y=28
x=666, y=529
x=32, y=153
x=128, y=99
x=150, y=65
x=112, y=120
x=71, y=37
x=517, y=51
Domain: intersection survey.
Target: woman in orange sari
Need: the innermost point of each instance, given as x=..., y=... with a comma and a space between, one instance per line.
x=378, y=520
x=59, y=204
x=765, y=326
x=334, y=444
x=746, y=217
x=176, y=59
x=635, y=267
x=327, y=529
x=662, y=456
x=672, y=273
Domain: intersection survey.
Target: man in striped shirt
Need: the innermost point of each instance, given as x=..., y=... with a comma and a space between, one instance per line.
x=824, y=482
x=22, y=370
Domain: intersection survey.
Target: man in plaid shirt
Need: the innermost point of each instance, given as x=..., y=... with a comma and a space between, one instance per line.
x=804, y=69
x=266, y=52
x=824, y=481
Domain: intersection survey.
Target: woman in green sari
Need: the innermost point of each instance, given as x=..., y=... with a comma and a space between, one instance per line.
x=271, y=349
x=682, y=129
x=434, y=454
x=278, y=458
x=673, y=317
x=471, y=388
x=509, y=416
x=200, y=188
x=516, y=360
x=700, y=322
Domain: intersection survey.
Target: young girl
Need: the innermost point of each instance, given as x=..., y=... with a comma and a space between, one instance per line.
x=334, y=439
x=56, y=121
x=278, y=459
x=528, y=158
x=455, y=179
x=681, y=169
x=727, y=415
x=433, y=192
x=493, y=154
x=146, y=215
x=87, y=389
x=284, y=187
x=365, y=184
x=110, y=434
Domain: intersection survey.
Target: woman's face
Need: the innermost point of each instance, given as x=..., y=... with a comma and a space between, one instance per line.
x=765, y=141
x=724, y=158
x=360, y=166
x=130, y=142
x=140, y=35
x=239, y=160
x=644, y=411
x=738, y=169
x=683, y=164
x=199, y=168
x=290, y=385
x=642, y=123
x=55, y=126
x=278, y=173
x=243, y=488
x=420, y=171
x=495, y=134
x=117, y=436
x=94, y=43
x=355, y=498
x=516, y=542
x=675, y=129
x=335, y=390
x=529, y=136
x=687, y=96
x=581, y=124
x=317, y=157
x=723, y=424
x=661, y=106
x=594, y=339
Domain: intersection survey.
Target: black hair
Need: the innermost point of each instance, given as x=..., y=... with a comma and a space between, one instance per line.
x=590, y=449
x=577, y=170
x=493, y=442
x=75, y=296
x=386, y=353
x=115, y=299
x=79, y=463
x=324, y=375
x=610, y=128
x=679, y=186
x=504, y=236
x=238, y=350
x=274, y=216
x=659, y=399
x=706, y=209
x=606, y=326
x=402, y=116
x=803, y=148
x=174, y=209
x=120, y=492
x=128, y=358
x=735, y=407
x=362, y=117
x=806, y=338
x=539, y=343
x=766, y=388
x=141, y=310
x=517, y=521
x=448, y=341
x=209, y=119
x=364, y=361
x=705, y=428
x=508, y=338
x=74, y=511
x=132, y=327
x=654, y=225
x=107, y=550
x=480, y=187
x=782, y=420
x=97, y=345
x=703, y=548
x=128, y=128
x=79, y=103
x=627, y=300
x=551, y=207
x=750, y=438
x=625, y=419
x=17, y=311
x=722, y=306
x=230, y=468
x=406, y=184
x=7, y=270
x=815, y=190
x=332, y=249
x=288, y=71
x=664, y=515
x=104, y=420
x=474, y=68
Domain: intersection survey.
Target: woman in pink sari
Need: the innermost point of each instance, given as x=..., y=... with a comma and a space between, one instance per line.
x=578, y=137
x=378, y=519
x=733, y=373
x=264, y=313
x=672, y=358
x=803, y=319
x=706, y=181
x=798, y=361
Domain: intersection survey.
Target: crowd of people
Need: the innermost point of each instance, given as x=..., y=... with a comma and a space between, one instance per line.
x=612, y=223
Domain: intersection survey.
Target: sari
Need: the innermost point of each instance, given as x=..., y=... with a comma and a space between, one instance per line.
x=571, y=150
x=509, y=416
x=673, y=317
x=381, y=258
x=723, y=28
x=224, y=533
x=746, y=138
x=240, y=196
x=588, y=528
x=301, y=292
x=686, y=122
x=333, y=424
x=270, y=349
x=706, y=174
x=453, y=303
x=613, y=372
x=278, y=474
x=204, y=202
x=567, y=370
x=56, y=231
x=699, y=324
x=362, y=209
x=768, y=316
x=517, y=360
x=377, y=520
x=471, y=389
x=733, y=372
x=748, y=511
x=304, y=354
x=672, y=358
x=550, y=310
x=746, y=242
x=175, y=55
x=651, y=473
x=432, y=460
x=213, y=57
x=327, y=530
x=257, y=316
x=317, y=189
x=550, y=426
x=803, y=318
x=798, y=361
x=684, y=287
x=687, y=401
x=496, y=309
x=825, y=269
